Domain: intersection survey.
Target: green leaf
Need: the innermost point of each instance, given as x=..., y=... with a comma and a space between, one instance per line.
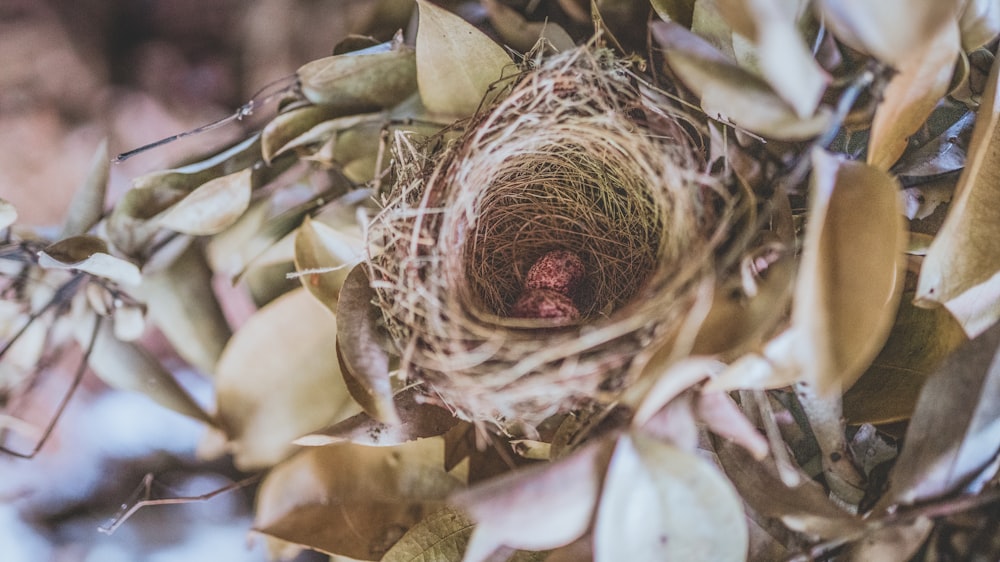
x=439, y=537
x=640, y=515
x=456, y=63
x=211, y=207
x=358, y=346
x=87, y=205
x=361, y=81
x=277, y=379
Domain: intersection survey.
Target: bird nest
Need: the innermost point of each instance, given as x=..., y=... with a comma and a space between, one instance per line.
x=524, y=264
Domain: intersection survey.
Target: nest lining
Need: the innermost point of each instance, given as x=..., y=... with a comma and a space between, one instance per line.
x=574, y=158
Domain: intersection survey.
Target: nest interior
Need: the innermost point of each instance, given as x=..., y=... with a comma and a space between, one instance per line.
x=574, y=158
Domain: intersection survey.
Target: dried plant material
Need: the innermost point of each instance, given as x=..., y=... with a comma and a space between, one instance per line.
x=358, y=347
x=924, y=78
x=367, y=80
x=724, y=418
x=439, y=537
x=456, y=63
x=292, y=124
x=574, y=159
x=522, y=34
x=129, y=322
x=416, y=421
x=890, y=30
x=212, y=206
x=920, y=202
x=8, y=214
x=979, y=22
x=321, y=133
x=324, y=256
x=919, y=341
x=261, y=410
x=679, y=11
x=127, y=366
x=639, y=519
x=730, y=93
x=87, y=206
x=536, y=508
x=89, y=254
x=962, y=255
x=954, y=434
x=186, y=178
x=181, y=303
x=352, y=500
x=848, y=284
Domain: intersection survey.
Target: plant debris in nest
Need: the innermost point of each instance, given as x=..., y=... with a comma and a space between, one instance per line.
x=521, y=267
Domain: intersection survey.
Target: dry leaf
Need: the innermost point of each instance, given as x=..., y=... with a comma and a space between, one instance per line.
x=361, y=81
x=679, y=11
x=87, y=205
x=358, y=347
x=848, y=284
x=324, y=256
x=456, y=63
x=278, y=379
x=523, y=35
x=536, y=508
x=183, y=306
x=211, y=207
x=980, y=22
x=641, y=515
x=439, y=537
x=963, y=253
x=353, y=500
x=238, y=157
x=911, y=95
x=292, y=124
x=89, y=255
x=8, y=213
x=724, y=418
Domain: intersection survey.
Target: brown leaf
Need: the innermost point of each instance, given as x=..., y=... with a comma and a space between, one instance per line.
x=277, y=379
x=639, y=516
x=439, y=537
x=358, y=346
x=456, y=63
x=536, y=508
x=353, y=500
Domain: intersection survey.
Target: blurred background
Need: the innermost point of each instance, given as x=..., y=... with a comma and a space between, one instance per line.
x=72, y=73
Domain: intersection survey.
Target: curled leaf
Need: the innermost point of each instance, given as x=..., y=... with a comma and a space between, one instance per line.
x=211, y=207
x=89, y=255
x=456, y=63
x=87, y=205
x=324, y=256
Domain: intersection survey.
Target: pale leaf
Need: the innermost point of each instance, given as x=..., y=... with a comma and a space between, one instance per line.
x=182, y=304
x=536, y=508
x=521, y=34
x=963, y=254
x=238, y=157
x=359, y=82
x=891, y=30
x=87, y=205
x=358, y=347
x=980, y=22
x=848, y=284
x=278, y=379
x=724, y=418
x=923, y=79
x=125, y=366
x=977, y=308
x=324, y=257
x=640, y=515
x=211, y=207
x=353, y=500
x=89, y=255
x=8, y=214
x=291, y=124
x=439, y=537
x=456, y=63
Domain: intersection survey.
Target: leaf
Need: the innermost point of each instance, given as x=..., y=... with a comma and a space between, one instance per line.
x=182, y=304
x=277, y=379
x=8, y=213
x=324, y=257
x=848, y=284
x=924, y=78
x=963, y=255
x=125, y=366
x=980, y=22
x=640, y=515
x=416, y=421
x=290, y=124
x=87, y=205
x=439, y=537
x=352, y=500
x=954, y=433
x=523, y=35
x=456, y=63
x=805, y=508
x=238, y=157
x=359, y=82
x=358, y=346
x=326, y=130
x=211, y=207
x=891, y=30
x=89, y=255
x=919, y=341
x=730, y=93
x=536, y=508
x=943, y=153
x=679, y=11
